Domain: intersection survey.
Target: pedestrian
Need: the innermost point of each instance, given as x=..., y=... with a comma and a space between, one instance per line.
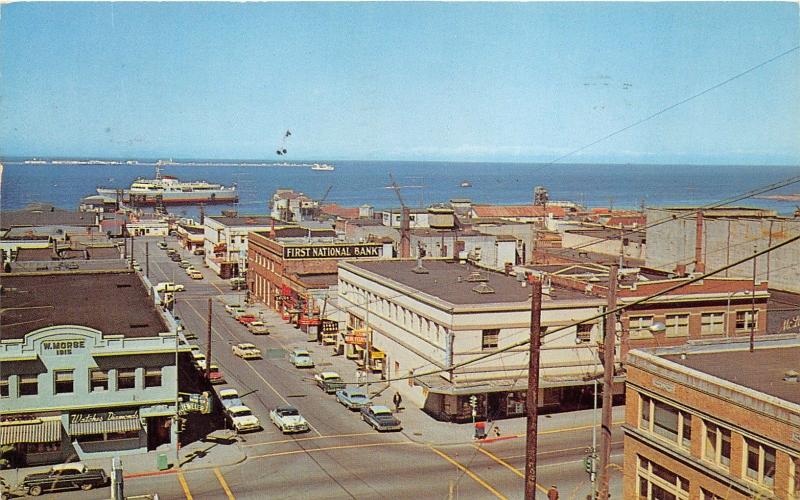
x=496, y=431
x=552, y=493
x=397, y=399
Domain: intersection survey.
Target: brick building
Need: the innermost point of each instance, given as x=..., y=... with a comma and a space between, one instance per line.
x=713, y=421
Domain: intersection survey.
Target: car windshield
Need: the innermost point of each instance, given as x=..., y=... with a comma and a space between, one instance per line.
x=382, y=412
x=358, y=396
x=288, y=412
x=242, y=413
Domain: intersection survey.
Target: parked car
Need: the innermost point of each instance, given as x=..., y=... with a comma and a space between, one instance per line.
x=246, y=350
x=258, y=328
x=230, y=308
x=380, y=418
x=238, y=284
x=175, y=257
x=301, y=358
x=199, y=251
x=330, y=382
x=242, y=419
x=199, y=359
x=196, y=275
x=215, y=376
x=288, y=419
x=184, y=264
x=162, y=245
x=352, y=399
x=189, y=270
x=168, y=286
x=246, y=319
x=229, y=398
x=64, y=477
x=171, y=251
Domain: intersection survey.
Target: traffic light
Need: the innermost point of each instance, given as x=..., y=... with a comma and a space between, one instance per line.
x=587, y=464
x=473, y=401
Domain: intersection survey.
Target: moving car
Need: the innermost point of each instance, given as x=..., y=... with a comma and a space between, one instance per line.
x=353, y=399
x=288, y=419
x=175, y=257
x=190, y=270
x=301, y=358
x=199, y=251
x=243, y=419
x=162, y=245
x=229, y=398
x=64, y=477
x=330, y=382
x=196, y=275
x=246, y=350
x=380, y=418
x=258, y=328
x=168, y=286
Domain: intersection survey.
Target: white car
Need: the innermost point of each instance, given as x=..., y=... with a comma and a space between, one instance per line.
x=229, y=398
x=229, y=308
x=199, y=359
x=288, y=419
x=243, y=419
x=168, y=286
x=246, y=350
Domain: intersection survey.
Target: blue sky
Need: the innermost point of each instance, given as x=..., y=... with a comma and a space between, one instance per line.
x=404, y=81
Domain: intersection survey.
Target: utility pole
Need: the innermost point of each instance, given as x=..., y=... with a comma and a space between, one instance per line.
x=208, y=351
x=753, y=308
x=147, y=259
x=532, y=399
x=609, y=342
x=132, y=257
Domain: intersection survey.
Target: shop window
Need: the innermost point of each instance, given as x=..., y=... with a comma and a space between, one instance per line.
x=584, y=333
x=745, y=320
x=712, y=323
x=489, y=338
x=152, y=377
x=759, y=463
x=677, y=325
x=639, y=327
x=64, y=381
x=107, y=436
x=659, y=483
x=28, y=385
x=4, y=386
x=98, y=380
x=126, y=378
x=666, y=421
x=717, y=444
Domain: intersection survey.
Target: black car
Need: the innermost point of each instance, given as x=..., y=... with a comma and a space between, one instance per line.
x=63, y=477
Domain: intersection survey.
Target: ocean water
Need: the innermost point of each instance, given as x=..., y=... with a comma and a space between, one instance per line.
x=355, y=183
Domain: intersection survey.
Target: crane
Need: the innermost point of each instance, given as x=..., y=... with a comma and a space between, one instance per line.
x=321, y=201
x=405, y=236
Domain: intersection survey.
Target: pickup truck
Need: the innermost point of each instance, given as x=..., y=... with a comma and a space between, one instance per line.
x=63, y=477
x=168, y=286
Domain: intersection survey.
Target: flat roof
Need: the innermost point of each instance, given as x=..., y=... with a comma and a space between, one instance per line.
x=47, y=217
x=114, y=303
x=244, y=220
x=761, y=370
x=448, y=281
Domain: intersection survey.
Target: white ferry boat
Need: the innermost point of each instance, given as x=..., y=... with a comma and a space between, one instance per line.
x=323, y=167
x=171, y=191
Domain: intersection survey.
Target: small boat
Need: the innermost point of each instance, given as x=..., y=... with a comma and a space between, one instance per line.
x=466, y=184
x=324, y=167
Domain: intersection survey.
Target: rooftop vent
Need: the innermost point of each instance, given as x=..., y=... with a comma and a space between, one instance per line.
x=483, y=288
x=791, y=376
x=476, y=277
x=419, y=268
x=123, y=285
x=139, y=325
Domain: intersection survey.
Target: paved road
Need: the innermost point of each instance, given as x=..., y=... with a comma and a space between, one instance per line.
x=341, y=457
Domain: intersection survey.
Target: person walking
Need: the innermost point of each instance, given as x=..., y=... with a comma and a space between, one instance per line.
x=397, y=399
x=552, y=493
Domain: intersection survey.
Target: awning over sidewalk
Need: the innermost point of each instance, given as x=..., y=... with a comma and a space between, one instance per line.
x=33, y=431
x=98, y=423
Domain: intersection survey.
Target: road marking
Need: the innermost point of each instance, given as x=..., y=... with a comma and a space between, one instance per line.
x=512, y=457
x=328, y=448
x=469, y=473
x=568, y=429
x=185, y=486
x=224, y=484
x=331, y=436
x=569, y=462
x=508, y=466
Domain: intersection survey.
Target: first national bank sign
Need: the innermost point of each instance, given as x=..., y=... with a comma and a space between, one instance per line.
x=332, y=251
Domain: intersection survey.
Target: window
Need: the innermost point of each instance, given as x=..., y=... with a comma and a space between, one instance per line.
x=490, y=338
x=717, y=444
x=126, y=378
x=745, y=320
x=677, y=325
x=98, y=379
x=759, y=463
x=707, y=495
x=639, y=327
x=4, y=386
x=666, y=421
x=712, y=323
x=64, y=381
x=794, y=477
x=28, y=385
x=659, y=483
x=152, y=377
x=584, y=333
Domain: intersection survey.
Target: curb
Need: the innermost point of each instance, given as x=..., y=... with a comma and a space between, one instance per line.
x=173, y=470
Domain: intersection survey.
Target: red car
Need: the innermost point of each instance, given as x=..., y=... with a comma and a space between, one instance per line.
x=246, y=318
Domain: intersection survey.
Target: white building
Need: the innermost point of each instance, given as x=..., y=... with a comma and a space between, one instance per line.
x=225, y=241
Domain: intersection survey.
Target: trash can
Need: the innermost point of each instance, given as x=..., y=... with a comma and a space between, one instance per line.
x=480, y=430
x=161, y=461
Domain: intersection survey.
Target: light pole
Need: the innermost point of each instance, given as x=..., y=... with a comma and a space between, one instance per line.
x=728, y=310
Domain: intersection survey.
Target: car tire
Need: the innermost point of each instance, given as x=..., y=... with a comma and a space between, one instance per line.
x=35, y=490
x=87, y=486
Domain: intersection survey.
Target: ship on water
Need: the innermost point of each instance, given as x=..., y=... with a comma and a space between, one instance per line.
x=169, y=190
x=323, y=167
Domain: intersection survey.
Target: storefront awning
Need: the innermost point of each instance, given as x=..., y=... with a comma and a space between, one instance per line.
x=99, y=423
x=33, y=431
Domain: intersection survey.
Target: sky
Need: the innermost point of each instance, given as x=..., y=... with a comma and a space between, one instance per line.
x=516, y=82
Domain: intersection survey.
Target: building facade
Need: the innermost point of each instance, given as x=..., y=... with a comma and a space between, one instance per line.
x=714, y=421
x=225, y=242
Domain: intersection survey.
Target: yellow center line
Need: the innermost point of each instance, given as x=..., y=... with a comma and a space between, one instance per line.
x=185, y=486
x=224, y=484
x=331, y=436
x=469, y=473
x=570, y=429
x=508, y=466
x=550, y=452
x=328, y=448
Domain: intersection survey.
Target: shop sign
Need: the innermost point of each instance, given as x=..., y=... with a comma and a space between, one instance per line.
x=378, y=355
x=62, y=347
x=332, y=251
x=102, y=416
x=357, y=337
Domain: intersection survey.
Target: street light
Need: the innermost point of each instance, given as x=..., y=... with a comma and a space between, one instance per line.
x=728, y=310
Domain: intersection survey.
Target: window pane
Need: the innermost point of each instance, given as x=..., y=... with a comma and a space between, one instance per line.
x=490, y=338
x=725, y=449
x=126, y=379
x=769, y=465
x=63, y=381
x=4, y=387
x=645, y=413
x=28, y=385
x=711, y=442
x=686, y=441
x=665, y=421
x=152, y=377
x=752, y=459
x=98, y=380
